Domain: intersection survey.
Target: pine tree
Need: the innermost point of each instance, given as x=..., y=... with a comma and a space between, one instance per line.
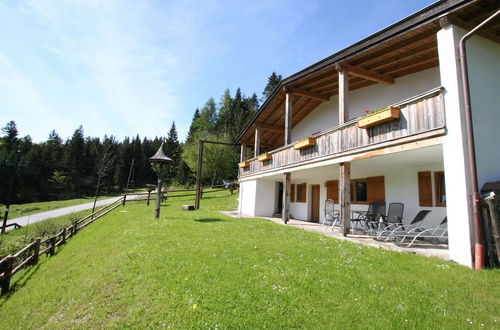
x=174, y=151
x=273, y=81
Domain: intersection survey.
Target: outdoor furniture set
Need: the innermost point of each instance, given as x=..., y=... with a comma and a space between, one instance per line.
x=390, y=226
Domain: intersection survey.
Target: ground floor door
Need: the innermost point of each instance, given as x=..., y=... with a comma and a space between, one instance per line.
x=279, y=199
x=315, y=203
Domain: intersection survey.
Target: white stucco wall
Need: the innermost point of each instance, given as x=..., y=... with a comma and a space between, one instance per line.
x=372, y=97
x=483, y=58
x=257, y=198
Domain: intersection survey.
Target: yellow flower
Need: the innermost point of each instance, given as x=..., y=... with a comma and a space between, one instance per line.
x=195, y=306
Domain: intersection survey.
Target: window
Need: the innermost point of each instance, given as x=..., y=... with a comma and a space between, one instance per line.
x=301, y=193
x=363, y=191
x=439, y=188
x=292, y=193
x=359, y=190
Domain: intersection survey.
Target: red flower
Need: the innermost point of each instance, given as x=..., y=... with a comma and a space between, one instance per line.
x=367, y=111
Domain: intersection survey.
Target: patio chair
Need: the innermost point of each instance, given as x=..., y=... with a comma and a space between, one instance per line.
x=392, y=231
x=435, y=234
x=331, y=215
x=373, y=213
x=393, y=219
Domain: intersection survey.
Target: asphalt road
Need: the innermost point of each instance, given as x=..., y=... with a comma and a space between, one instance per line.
x=32, y=218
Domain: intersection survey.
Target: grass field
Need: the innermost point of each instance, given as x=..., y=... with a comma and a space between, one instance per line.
x=203, y=270
x=20, y=210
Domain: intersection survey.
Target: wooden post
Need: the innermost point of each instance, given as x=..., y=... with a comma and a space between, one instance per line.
x=242, y=152
x=343, y=94
x=124, y=199
x=288, y=117
x=52, y=249
x=256, y=149
x=36, y=251
x=198, y=175
x=345, y=197
x=75, y=228
x=149, y=196
x=64, y=236
x=7, y=270
x=286, y=197
x=495, y=224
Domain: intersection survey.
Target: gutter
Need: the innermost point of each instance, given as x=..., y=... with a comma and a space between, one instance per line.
x=479, y=249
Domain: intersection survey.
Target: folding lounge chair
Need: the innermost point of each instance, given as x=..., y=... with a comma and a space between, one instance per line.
x=436, y=234
x=399, y=229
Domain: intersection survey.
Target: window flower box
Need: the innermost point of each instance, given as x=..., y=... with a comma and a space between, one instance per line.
x=379, y=117
x=264, y=157
x=305, y=143
x=244, y=164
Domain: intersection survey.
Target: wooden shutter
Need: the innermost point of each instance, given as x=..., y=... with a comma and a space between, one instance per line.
x=292, y=193
x=376, y=189
x=332, y=190
x=301, y=193
x=424, y=189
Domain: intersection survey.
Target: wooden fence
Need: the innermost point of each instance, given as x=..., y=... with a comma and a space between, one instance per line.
x=30, y=254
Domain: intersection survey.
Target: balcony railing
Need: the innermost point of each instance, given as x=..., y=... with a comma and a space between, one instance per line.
x=420, y=114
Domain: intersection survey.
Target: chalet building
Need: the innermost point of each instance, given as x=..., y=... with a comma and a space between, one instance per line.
x=306, y=144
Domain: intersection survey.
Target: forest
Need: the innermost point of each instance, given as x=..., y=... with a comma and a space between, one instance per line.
x=62, y=169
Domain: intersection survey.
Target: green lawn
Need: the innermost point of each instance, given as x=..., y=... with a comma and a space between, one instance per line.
x=200, y=269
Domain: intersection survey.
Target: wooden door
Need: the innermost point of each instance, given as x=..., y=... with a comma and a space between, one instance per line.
x=315, y=203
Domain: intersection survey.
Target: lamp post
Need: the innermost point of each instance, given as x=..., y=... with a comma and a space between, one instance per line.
x=158, y=162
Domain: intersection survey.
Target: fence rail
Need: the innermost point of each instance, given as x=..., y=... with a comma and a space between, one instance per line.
x=30, y=254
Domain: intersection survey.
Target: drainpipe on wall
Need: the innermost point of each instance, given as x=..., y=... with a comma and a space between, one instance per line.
x=479, y=249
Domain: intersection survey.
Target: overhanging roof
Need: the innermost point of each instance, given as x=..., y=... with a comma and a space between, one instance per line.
x=402, y=48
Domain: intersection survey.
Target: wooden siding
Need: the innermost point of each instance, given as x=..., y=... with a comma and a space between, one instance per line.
x=420, y=114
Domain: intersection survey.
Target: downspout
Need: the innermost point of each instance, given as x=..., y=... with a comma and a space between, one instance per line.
x=479, y=249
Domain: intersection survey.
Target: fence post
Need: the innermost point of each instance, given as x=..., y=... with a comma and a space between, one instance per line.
x=64, y=236
x=124, y=199
x=7, y=273
x=36, y=251
x=52, y=245
x=75, y=228
x=149, y=195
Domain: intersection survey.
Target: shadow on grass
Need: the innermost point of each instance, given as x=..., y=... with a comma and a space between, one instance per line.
x=208, y=220
x=19, y=282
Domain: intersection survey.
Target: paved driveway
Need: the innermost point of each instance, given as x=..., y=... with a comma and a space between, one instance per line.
x=32, y=218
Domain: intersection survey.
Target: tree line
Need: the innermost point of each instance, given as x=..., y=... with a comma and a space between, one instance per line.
x=62, y=169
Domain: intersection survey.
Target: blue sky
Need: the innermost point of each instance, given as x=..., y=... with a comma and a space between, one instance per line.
x=132, y=67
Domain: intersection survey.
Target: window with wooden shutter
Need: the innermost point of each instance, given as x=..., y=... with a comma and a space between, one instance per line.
x=439, y=188
x=301, y=193
x=332, y=190
x=376, y=189
x=424, y=188
x=292, y=193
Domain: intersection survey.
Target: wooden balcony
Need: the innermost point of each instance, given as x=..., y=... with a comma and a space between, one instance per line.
x=419, y=115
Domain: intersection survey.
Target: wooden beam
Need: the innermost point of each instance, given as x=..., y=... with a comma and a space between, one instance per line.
x=269, y=127
x=455, y=20
x=343, y=95
x=367, y=74
x=345, y=197
x=256, y=149
x=306, y=93
x=288, y=118
x=286, y=197
x=242, y=152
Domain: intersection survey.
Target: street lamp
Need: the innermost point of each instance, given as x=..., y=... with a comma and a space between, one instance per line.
x=159, y=162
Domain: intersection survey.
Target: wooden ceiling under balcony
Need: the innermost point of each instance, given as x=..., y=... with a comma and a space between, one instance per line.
x=410, y=52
